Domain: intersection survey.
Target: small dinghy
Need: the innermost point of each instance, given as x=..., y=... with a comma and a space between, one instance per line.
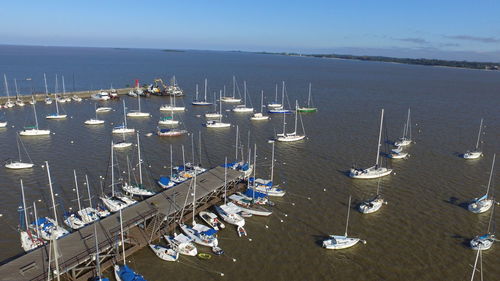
x=217, y=250
x=241, y=231
x=164, y=253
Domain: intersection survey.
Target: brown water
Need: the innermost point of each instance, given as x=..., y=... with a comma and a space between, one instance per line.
x=423, y=232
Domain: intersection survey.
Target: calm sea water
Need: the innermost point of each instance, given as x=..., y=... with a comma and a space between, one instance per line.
x=423, y=232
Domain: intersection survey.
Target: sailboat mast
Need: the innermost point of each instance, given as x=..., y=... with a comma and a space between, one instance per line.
x=55, y=95
x=24, y=205
x=6, y=87
x=491, y=174
x=123, y=240
x=220, y=111
x=36, y=118
x=192, y=148
x=194, y=197
x=88, y=190
x=309, y=97
x=276, y=94
x=46, y=88
x=51, y=193
x=15, y=87
x=261, y=100
x=36, y=218
x=18, y=148
x=283, y=95
x=348, y=212
x=479, y=134
x=112, y=171
x=63, y=85
x=225, y=181
x=245, y=92
x=284, y=122
x=139, y=102
x=296, y=115
x=205, y=97
x=125, y=114
x=272, y=164
x=234, y=86
x=196, y=92
x=77, y=191
x=139, y=159
x=408, y=125
x=183, y=158
x=379, y=136
x=237, y=134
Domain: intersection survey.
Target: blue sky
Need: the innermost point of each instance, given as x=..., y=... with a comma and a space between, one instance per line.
x=440, y=28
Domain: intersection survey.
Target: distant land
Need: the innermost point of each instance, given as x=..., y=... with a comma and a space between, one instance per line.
x=421, y=61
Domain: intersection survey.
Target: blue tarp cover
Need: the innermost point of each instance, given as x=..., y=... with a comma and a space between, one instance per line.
x=127, y=274
x=211, y=231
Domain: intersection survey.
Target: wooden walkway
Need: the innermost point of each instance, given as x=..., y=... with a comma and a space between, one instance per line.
x=148, y=217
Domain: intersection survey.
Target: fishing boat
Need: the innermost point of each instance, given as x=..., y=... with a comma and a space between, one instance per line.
x=9, y=103
x=123, y=129
x=123, y=272
x=259, y=116
x=100, y=96
x=15, y=164
x=279, y=107
x=376, y=171
x=242, y=108
x=182, y=244
x=476, y=152
x=310, y=107
x=406, y=138
x=232, y=99
x=484, y=203
x=138, y=112
x=337, y=242
x=293, y=136
x=374, y=204
x=137, y=189
x=212, y=220
x=203, y=102
x=275, y=104
x=94, y=121
x=29, y=236
x=34, y=131
x=172, y=106
x=218, y=123
x=57, y=115
x=164, y=253
x=170, y=132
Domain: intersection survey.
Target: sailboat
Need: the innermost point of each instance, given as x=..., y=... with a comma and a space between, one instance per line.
x=212, y=220
x=376, y=171
x=19, y=102
x=199, y=233
x=374, y=204
x=123, y=272
x=337, y=242
x=290, y=137
x=218, y=123
x=14, y=164
x=281, y=108
x=48, y=228
x=164, y=253
x=232, y=99
x=242, y=166
x=34, y=131
x=123, y=129
x=56, y=115
x=138, y=112
x=94, y=121
x=172, y=106
x=48, y=100
x=242, y=108
x=229, y=211
x=89, y=214
x=3, y=122
x=406, y=138
x=168, y=120
x=73, y=219
x=275, y=104
x=215, y=113
x=476, y=152
x=166, y=182
x=29, y=238
x=484, y=203
x=258, y=116
x=309, y=107
x=137, y=189
x=182, y=244
x=485, y=241
x=9, y=103
x=266, y=186
x=204, y=101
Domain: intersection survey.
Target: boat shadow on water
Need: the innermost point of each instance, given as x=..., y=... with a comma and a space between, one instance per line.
x=456, y=202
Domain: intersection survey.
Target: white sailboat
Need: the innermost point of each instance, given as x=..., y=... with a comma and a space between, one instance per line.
x=137, y=189
x=204, y=101
x=15, y=164
x=182, y=244
x=476, y=152
x=172, y=106
x=19, y=101
x=293, y=136
x=29, y=238
x=484, y=203
x=267, y=186
x=242, y=108
x=275, y=104
x=94, y=121
x=485, y=241
x=232, y=99
x=73, y=219
x=406, y=138
x=164, y=253
x=374, y=204
x=229, y=211
x=48, y=100
x=337, y=242
x=138, y=112
x=123, y=129
x=89, y=214
x=100, y=109
x=56, y=116
x=215, y=113
x=218, y=123
x=34, y=131
x=309, y=108
x=277, y=107
x=9, y=103
x=259, y=116
x=376, y=171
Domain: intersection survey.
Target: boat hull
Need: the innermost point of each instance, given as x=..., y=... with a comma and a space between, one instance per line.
x=34, y=132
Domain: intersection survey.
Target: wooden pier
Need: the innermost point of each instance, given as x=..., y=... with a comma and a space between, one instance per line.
x=143, y=222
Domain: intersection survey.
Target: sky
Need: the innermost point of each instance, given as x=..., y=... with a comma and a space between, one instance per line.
x=460, y=29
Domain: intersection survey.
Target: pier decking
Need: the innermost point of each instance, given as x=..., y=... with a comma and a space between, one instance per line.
x=142, y=222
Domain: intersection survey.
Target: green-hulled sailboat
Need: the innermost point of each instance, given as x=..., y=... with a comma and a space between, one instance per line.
x=310, y=107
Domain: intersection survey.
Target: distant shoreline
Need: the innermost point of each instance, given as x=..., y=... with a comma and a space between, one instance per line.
x=424, y=62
